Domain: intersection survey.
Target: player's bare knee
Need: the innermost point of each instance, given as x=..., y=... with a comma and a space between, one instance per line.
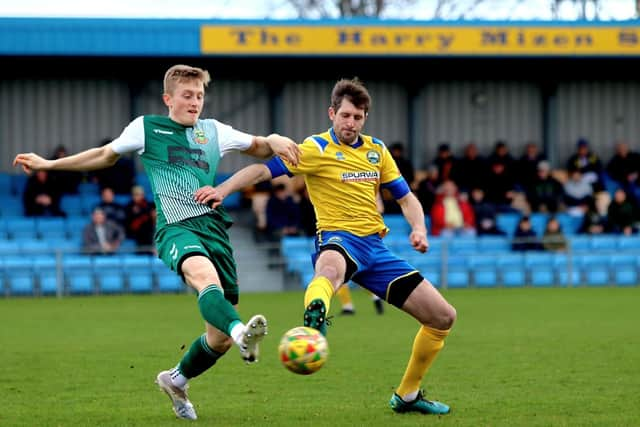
x=331, y=273
x=445, y=318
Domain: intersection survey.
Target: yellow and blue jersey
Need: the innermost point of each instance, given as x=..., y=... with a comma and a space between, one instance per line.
x=343, y=181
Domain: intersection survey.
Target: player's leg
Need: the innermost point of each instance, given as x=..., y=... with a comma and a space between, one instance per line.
x=436, y=316
x=378, y=303
x=203, y=353
x=344, y=295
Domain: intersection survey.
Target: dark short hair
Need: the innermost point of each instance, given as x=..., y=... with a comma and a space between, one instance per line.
x=354, y=91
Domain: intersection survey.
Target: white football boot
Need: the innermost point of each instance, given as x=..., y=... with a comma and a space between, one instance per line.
x=182, y=407
x=254, y=332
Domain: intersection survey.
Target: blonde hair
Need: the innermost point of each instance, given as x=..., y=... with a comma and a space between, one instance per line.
x=181, y=73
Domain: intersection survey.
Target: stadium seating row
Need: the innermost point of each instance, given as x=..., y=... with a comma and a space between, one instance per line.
x=80, y=274
x=590, y=265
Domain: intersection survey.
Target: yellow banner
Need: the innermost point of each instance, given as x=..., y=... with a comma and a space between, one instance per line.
x=414, y=40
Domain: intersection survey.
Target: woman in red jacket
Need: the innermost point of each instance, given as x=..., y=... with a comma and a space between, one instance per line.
x=452, y=214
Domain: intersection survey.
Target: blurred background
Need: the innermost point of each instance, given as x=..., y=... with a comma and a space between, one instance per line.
x=524, y=112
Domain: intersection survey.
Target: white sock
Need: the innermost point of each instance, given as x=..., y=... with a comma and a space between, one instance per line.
x=177, y=379
x=410, y=397
x=348, y=306
x=236, y=332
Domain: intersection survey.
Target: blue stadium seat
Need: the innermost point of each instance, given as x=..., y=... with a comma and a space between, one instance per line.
x=88, y=202
x=21, y=283
x=567, y=272
x=71, y=204
x=18, y=182
x=291, y=245
x=485, y=276
x=78, y=273
x=11, y=207
x=140, y=281
x=580, y=243
x=457, y=277
x=21, y=228
x=538, y=222
x=8, y=247
x=463, y=245
x=397, y=224
x=507, y=222
x=493, y=244
x=539, y=267
x=604, y=242
x=31, y=247
x=88, y=188
x=168, y=281
x=629, y=243
x=45, y=268
x=111, y=282
x=51, y=228
x=594, y=268
x=570, y=224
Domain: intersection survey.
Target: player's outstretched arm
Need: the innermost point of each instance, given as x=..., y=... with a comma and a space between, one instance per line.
x=245, y=177
x=264, y=147
x=92, y=159
x=412, y=211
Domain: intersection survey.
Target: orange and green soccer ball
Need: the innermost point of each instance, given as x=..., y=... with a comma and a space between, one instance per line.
x=303, y=350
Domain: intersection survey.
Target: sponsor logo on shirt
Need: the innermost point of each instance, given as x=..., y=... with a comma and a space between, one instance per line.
x=163, y=132
x=360, y=176
x=373, y=157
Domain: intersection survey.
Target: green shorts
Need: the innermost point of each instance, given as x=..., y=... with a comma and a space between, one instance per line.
x=203, y=235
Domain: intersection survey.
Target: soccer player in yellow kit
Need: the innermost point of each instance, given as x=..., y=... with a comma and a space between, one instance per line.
x=343, y=171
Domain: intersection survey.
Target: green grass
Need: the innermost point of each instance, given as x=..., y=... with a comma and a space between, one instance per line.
x=539, y=357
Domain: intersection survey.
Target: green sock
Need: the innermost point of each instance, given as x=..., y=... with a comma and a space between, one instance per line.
x=216, y=310
x=198, y=358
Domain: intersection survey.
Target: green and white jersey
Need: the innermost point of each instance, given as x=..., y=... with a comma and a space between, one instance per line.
x=179, y=160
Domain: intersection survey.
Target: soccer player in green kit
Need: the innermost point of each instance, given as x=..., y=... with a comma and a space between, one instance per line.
x=180, y=154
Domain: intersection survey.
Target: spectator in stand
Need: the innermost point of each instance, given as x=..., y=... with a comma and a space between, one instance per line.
x=502, y=155
x=445, y=161
x=471, y=170
x=527, y=166
x=101, y=236
x=545, y=193
x=624, y=166
x=404, y=165
x=593, y=221
x=578, y=193
x=452, y=213
x=553, y=239
x=141, y=219
x=428, y=187
x=283, y=213
x=588, y=163
x=307, y=214
x=624, y=169
x=500, y=187
x=66, y=181
x=114, y=211
x=622, y=215
x=524, y=238
x=41, y=196
x=485, y=214
x=259, y=198
x=120, y=177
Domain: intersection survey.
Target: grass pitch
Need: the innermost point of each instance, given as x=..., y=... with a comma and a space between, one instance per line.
x=516, y=357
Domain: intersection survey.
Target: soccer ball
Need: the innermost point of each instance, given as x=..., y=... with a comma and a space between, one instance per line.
x=303, y=350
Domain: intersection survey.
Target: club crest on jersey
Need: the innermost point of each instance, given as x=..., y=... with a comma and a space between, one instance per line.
x=340, y=156
x=373, y=157
x=199, y=136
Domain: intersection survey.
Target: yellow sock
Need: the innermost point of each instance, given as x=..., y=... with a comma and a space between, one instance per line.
x=344, y=295
x=320, y=287
x=426, y=346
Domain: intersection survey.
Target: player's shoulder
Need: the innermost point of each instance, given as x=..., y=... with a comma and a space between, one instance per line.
x=321, y=141
x=373, y=142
